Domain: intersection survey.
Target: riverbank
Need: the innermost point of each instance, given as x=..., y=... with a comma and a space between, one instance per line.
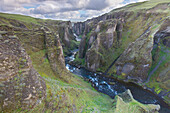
x=112, y=86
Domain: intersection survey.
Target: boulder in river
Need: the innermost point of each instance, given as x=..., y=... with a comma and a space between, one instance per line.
x=125, y=103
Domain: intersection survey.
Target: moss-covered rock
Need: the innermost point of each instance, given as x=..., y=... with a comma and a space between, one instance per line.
x=125, y=103
x=21, y=86
x=136, y=60
x=99, y=42
x=67, y=38
x=158, y=76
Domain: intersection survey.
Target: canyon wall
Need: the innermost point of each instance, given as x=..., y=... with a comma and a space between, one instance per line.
x=28, y=50
x=129, y=43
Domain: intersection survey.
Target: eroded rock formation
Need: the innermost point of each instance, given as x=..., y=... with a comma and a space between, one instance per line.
x=21, y=86
x=126, y=102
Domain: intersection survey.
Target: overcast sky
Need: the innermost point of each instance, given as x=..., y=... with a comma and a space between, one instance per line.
x=74, y=10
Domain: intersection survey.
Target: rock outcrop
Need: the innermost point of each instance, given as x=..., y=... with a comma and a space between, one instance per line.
x=126, y=103
x=28, y=50
x=65, y=31
x=102, y=39
x=21, y=86
x=79, y=27
x=82, y=47
x=160, y=64
x=54, y=51
x=67, y=38
x=136, y=60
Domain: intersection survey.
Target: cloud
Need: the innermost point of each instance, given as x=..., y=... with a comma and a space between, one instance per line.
x=70, y=5
x=96, y=5
x=75, y=10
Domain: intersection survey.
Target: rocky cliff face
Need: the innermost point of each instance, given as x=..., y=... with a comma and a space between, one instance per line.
x=158, y=76
x=28, y=50
x=54, y=51
x=125, y=43
x=65, y=32
x=136, y=60
x=104, y=38
x=21, y=86
x=79, y=27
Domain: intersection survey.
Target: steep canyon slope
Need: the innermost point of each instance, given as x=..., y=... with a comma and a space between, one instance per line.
x=130, y=43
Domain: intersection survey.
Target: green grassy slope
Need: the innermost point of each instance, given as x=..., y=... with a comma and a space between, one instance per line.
x=148, y=4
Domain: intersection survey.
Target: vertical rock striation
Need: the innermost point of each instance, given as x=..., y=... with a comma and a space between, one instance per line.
x=21, y=86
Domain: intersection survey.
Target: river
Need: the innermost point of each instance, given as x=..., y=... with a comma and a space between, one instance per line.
x=112, y=87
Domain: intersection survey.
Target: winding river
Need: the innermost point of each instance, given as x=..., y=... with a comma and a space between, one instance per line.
x=113, y=87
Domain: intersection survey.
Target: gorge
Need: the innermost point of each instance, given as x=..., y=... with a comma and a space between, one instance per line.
x=128, y=45
x=114, y=63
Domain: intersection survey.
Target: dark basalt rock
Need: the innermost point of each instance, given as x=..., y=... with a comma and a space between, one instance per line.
x=20, y=84
x=100, y=41
x=126, y=96
x=82, y=48
x=136, y=60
